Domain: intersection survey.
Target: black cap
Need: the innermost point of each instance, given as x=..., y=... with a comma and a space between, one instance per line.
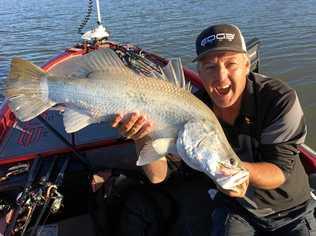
x=223, y=37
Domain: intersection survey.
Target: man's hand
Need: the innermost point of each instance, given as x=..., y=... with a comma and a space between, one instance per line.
x=133, y=126
x=137, y=127
x=240, y=190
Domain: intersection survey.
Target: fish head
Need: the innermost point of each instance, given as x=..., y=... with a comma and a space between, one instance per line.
x=203, y=146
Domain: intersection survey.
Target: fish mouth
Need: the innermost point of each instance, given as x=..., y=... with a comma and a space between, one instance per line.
x=230, y=175
x=231, y=182
x=223, y=90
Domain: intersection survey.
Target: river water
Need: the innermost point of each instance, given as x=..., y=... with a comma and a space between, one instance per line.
x=39, y=29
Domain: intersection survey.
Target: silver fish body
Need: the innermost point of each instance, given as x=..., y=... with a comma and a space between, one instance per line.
x=167, y=105
x=104, y=86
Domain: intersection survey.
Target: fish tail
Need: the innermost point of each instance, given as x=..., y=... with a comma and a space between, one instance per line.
x=26, y=90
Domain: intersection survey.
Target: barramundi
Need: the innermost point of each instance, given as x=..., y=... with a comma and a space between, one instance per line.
x=104, y=86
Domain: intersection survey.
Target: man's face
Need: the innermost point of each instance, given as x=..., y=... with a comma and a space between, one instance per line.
x=224, y=76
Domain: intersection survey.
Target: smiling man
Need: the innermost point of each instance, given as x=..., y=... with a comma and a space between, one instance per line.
x=263, y=121
x=224, y=77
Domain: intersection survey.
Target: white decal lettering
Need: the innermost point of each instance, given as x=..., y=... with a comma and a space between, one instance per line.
x=220, y=36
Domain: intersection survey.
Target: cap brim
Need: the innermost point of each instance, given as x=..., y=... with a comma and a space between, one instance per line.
x=220, y=49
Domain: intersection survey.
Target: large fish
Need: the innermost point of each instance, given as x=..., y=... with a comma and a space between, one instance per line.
x=104, y=86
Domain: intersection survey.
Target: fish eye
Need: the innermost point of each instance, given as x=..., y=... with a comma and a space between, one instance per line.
x=232, y=161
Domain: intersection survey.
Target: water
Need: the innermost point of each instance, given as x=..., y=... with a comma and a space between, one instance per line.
x=39, y=29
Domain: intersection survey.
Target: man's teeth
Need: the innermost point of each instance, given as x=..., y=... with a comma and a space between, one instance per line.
x=223, y=90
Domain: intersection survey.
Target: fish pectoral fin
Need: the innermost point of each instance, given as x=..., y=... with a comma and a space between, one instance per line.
x=147, y=154
x=154, y=150
x=75, y=120
x=163, y=146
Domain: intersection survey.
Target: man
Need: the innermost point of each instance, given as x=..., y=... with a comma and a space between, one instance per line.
x=263, y=122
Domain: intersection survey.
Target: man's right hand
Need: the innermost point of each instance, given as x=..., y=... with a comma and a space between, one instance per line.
x=137, y=127
x=133, y=125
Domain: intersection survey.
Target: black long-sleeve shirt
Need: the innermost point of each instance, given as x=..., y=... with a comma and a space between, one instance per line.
x=268, y=129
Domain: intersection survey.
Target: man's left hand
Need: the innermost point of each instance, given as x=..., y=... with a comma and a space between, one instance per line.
x=239, y=191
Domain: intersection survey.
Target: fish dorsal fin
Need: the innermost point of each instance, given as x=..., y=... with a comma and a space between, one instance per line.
x=173, y=72
x=103, y=59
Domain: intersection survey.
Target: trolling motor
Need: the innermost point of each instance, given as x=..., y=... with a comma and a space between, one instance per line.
x=99, y=33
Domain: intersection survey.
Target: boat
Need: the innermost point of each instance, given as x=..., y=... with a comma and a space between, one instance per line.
x=46, y=173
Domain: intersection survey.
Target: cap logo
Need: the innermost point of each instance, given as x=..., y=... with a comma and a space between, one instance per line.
x=220, y=36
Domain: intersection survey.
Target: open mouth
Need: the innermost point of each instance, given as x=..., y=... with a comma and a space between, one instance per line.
x=223, y=90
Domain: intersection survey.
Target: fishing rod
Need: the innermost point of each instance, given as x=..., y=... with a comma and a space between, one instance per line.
x=30, y=199
x=39, y=195
x=51, y=194
x=81, y=158
x=14, y=171
x=22, y=200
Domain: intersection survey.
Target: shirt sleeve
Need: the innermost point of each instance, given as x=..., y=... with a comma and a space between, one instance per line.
x=283, y=155
x=284, y=129
x=285, y=122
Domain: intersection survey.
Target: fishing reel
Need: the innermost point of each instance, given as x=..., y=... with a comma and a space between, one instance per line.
x=39, y=199
x=5, y=207
x=56, y=197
